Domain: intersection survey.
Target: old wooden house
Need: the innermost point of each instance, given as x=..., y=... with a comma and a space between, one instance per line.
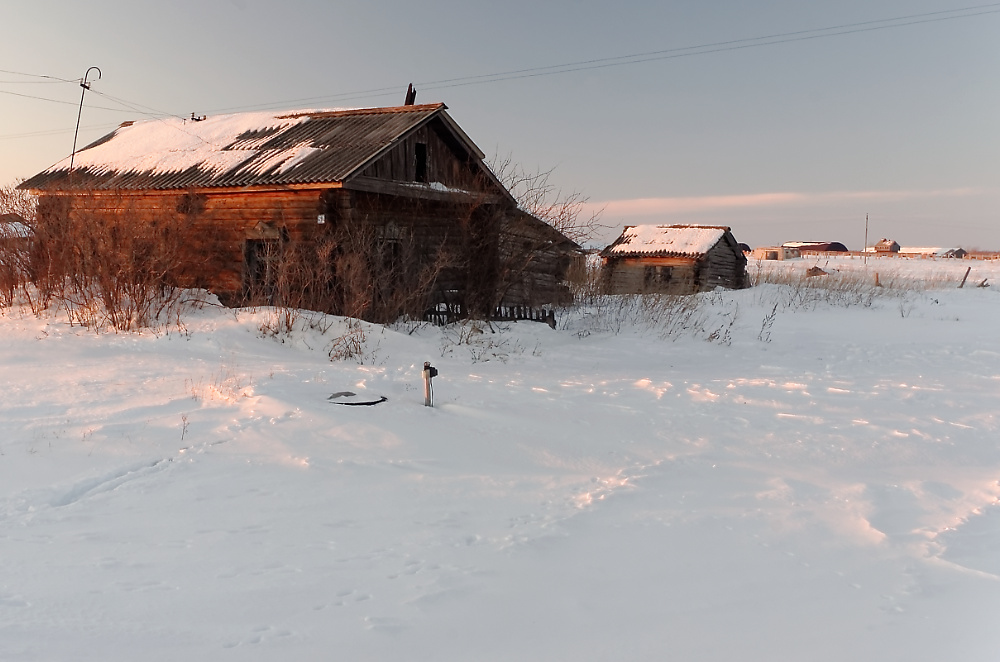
x=775, y=253
x=403, y=183
x=675, y=259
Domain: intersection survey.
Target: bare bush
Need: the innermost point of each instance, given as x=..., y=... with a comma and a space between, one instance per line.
x=483, y=340
x=834, y=288
x=537, y=195
x=669, y=316
x=16, y=206
x=103, y=262
x=359, y=271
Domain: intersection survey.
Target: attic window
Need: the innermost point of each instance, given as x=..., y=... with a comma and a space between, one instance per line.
x=420, y=161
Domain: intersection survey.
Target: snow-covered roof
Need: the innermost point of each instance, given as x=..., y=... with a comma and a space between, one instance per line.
x=14, y=230
x=243, y=149
x=12, y=226
x=666, y=240
x=936, y=251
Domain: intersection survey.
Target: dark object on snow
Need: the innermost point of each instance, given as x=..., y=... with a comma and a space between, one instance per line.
x=354, y=400
x=815, y=271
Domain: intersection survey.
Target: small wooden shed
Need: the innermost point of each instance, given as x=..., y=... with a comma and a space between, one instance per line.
x=673, y=259
x=775, y=253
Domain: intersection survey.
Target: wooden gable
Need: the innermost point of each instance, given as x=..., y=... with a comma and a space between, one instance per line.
x=427, y=154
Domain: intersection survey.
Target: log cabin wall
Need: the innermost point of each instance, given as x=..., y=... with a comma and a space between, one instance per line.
x=219, y=223
x=529, y=268
x=642, y=275
x=517, y=267
x=723, y=266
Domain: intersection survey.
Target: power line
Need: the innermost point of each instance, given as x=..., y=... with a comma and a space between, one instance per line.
x=564, y=68
x=69, y=103
x=668, y=55
x=32, y=82
x=54, y=79
x=664, y=54
x=53, y=132
x=137, y=107
x=734, y=44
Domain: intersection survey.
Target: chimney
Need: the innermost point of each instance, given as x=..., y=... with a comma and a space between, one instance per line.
x=411, y=95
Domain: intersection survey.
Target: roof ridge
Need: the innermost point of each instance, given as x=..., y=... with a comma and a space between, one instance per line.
x=386, y=110
x=680, y=225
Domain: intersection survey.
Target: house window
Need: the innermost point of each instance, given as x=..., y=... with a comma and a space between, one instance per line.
x=420, y=161
x=657, y=277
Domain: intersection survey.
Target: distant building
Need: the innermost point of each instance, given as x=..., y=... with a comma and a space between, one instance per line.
x=886, y=246
x=931, y=252
x=675, y=259
x=820, y=246
x=776, y=253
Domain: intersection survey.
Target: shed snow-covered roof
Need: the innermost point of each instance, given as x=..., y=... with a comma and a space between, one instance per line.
x=666, y=240
x=243, y=149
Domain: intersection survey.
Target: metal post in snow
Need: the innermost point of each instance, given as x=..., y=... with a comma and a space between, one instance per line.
x=429, y=373
x=86, y=86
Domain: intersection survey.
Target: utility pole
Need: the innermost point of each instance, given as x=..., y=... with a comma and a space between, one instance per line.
x=866, y=240
x=85, y=84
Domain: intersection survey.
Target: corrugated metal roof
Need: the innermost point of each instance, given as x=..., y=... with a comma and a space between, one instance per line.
x=247, y=149
x=666, y=240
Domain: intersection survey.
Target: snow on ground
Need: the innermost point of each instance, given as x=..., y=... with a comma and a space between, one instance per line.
x=778, y=481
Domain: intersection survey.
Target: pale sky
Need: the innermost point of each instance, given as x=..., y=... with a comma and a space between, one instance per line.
x=795, y=140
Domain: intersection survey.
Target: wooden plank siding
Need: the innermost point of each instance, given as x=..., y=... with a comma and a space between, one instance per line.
x=446, y=163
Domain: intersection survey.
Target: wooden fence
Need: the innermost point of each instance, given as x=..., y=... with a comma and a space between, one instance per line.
x=444, y=315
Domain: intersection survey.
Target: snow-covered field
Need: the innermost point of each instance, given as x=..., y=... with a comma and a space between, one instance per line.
x=784, y=478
